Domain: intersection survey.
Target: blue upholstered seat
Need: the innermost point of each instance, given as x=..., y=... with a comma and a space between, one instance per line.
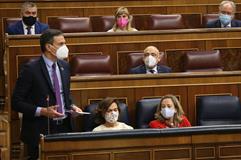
x=218, y=110
x=145, y=110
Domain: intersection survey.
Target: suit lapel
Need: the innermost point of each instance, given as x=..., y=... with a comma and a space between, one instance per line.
x=159, y=70
x=218, y=24
x=143, y=69
x=46, y=74
x=20, y=28
x=37, y=28
x=233, y=24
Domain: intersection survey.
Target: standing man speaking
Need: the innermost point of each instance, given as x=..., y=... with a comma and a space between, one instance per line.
x=42, y=93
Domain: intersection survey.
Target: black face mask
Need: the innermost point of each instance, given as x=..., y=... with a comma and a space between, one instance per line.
x=29, y=21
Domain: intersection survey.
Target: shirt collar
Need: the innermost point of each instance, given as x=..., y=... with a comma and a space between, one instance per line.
x=155, y=69
x=228, y=26
x=47, y=61
x=25, y=26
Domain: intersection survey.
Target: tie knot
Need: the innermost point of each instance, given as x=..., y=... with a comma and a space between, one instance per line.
x=28, y=29
x=152, y=70
x=54, y=66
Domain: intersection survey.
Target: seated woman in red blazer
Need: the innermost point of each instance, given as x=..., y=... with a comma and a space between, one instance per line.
x=169, y=114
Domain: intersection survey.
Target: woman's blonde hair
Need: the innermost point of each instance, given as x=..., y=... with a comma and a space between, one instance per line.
x=179, y=111
x=120, y=11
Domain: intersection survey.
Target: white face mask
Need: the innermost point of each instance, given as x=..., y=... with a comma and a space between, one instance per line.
x=62, y=52
x=168, y=112
x=150, y=61
x=112, y=117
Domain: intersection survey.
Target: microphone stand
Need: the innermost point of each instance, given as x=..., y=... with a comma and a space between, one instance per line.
x=47, y=100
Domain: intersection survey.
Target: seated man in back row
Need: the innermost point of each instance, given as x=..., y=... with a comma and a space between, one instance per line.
x=226, y=19
x=28, y=24
x=151, y=58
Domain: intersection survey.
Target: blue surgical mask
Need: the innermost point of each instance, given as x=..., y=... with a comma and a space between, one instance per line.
x=225, y=19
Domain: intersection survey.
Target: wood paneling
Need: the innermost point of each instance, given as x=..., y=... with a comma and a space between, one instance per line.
x=19, y=49
x=132, y=155
x=4, y=138
x=230, y=151
x=205, y=152
x=186, y=86
x=174, y=153
x=48, y=8
x=132, y=88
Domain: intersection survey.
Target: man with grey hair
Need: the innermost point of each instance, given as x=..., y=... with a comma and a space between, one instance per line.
x=226, y=19
x=28, y=24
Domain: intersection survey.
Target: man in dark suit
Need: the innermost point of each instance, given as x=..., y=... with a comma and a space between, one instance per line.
x=150, y=66
x=226, y=19
x=42, y=93
x=29, y=23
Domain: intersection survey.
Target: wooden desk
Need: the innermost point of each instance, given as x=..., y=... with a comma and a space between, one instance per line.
x=53, y=8
x=19, y=49
x=4, y=139
x=211, y=142
x=131, y=88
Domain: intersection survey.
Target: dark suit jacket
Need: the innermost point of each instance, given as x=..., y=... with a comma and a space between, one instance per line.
x=142, y=69
x=217, y=24
x=32, y=88
x=17, y=28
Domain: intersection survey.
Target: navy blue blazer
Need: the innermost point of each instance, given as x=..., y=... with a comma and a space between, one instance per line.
x=141, y=69
x=17, y=28
x=217, y=24
x=31, y=90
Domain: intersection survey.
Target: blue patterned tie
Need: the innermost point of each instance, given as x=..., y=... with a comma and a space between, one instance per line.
x=57, y=89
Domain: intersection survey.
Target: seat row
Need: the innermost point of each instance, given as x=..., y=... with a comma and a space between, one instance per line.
x=140, y=22
x=100, y=64
x=211, y=110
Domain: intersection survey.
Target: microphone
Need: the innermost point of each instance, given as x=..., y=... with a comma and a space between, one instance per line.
x=47, y=101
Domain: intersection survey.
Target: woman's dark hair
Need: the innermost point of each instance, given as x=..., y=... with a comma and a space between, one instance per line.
x=48, y=37
x=102, y=108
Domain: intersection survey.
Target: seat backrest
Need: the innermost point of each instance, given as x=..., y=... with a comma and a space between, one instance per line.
x=136, y=58
x=8, y=22
x=90, y=64
x=206, y=18
x=218, y=110
x=145, y=110
x=89, y=120
x=140, y=21
x=160, y=22
x=71, y=24
x=192, y=20
x=202, y=61
x=102, y=23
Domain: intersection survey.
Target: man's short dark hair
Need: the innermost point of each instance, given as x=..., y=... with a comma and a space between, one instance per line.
x=48, y=37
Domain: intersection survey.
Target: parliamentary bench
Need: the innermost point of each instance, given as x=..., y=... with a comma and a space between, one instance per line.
x=140, y=22
x=103, y=23
x=131, y=88
x=198, y=142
